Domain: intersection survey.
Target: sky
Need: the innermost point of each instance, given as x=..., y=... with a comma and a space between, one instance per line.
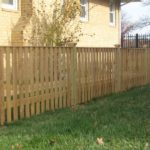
x=136, y=11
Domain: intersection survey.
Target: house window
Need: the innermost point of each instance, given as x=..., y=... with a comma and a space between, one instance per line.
x=84, y=13
x=112, y=13
x=10, y=4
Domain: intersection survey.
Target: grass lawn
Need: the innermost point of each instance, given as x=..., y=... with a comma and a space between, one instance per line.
x=122, y=120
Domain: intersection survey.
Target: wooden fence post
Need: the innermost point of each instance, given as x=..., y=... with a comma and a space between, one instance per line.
x=74, y=76
x=146, y=63
x=118, y=69
x=1, y=89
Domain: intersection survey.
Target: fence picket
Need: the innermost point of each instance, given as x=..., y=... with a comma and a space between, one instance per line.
x=14, y=74
x=38, y=79
x=2, y=112
x=8, y=87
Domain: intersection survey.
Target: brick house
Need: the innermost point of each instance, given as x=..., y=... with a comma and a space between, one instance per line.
x=100, y=18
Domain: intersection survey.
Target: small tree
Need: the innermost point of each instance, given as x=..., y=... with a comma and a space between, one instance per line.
x=126, y=25
x=56, y=26
x=143, y=22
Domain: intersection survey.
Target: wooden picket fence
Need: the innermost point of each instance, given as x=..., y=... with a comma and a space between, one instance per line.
x=38, y=79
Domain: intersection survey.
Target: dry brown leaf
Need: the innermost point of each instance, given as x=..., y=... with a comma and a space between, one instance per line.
x=74, y=108
x=16, y=146
x=52, y=142
x=12, y=147
x=100, y=141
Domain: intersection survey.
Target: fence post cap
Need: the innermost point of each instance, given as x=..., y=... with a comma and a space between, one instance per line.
x=117, y=46
x=71, y=44
x=145, y=46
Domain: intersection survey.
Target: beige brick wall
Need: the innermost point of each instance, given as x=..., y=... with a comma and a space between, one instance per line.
x=14, y=22
x=18, y=35
x=8, y=19
x=15, y=25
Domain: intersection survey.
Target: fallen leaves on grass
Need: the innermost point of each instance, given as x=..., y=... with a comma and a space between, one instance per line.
x=146, y=146
x=74, y=108
x=52, y=142
x=100, y=141
x=16, y=146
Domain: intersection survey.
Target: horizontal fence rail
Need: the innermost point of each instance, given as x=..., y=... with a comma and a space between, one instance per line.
x=34, y=80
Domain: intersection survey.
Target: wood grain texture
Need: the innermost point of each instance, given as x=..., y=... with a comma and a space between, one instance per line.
x=38, y=79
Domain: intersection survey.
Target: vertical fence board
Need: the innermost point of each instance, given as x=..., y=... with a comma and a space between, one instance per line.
x=63, y=77
x=38, y=79
x=15, y=75
x=88, y=74
x=2, y=113
x=8, y=87
x=99, y=72
x=31, y=83
x=68, y=77
x=37, y=71
x=42, y=98
x=79, y=75
x=46, y=66
x=26, y=83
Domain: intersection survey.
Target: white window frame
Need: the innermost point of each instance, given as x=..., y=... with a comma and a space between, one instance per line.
x=13, y=6
x=86, y=18
x=112, y=11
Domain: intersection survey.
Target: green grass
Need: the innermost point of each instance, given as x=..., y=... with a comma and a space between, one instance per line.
x=122, y=120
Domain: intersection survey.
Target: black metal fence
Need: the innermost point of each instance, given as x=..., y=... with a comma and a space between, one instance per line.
x=135, y=41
